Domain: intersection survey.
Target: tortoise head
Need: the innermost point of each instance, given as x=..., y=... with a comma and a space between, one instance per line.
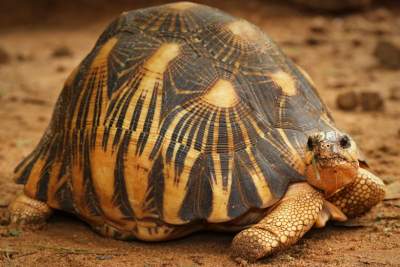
x=331, y=161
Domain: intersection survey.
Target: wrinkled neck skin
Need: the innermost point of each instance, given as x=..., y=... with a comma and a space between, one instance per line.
x=331, y=179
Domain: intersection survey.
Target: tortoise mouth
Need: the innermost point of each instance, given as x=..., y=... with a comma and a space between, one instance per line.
x=331, y=162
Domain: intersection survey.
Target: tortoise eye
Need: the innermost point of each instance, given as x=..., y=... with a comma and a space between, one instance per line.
x=310, y=143
x=345, y=141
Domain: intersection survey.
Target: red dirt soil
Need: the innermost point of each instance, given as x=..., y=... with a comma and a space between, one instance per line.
x=336, y=50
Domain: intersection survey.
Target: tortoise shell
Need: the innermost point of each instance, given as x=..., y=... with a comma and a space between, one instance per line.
x=180, y=113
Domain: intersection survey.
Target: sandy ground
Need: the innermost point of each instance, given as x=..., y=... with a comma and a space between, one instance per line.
x=336, y=50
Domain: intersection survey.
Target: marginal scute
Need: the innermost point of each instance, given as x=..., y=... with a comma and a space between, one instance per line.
x=221, y=193
x=222, y=94
x=285, y=81
x=104, y=183
x=175, y=184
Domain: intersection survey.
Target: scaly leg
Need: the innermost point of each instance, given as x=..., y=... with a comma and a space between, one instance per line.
x=25, y=211
x=294, y=215
x=145, y=230
x=360, y=196
x=112, y=232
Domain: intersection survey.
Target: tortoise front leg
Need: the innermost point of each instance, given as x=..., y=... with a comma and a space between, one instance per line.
x=294, y=215
x=27, y=212
x=361, y=195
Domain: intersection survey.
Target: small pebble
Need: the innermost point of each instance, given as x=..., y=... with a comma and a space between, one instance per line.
x=395, y=93
x=356, y=42
x=41, y=119
x=387, y=231
x=335, y=83
x=14, y=232
x=13, y=99
x=388, y=54
x=318, y=25
x=388, y=150
x=4, y=56
x=22, y=57
x=62, y=51
x=104, y=257
x=4, y=217
x=371, y=101
x=4, y=202
x=313, y=41
x=60, y=68
x=347, y=101
x=34, y=101
x=340, y=82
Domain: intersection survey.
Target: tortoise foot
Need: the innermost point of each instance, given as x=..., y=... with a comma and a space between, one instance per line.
x=110, y=231
x=294, y=215
x=26, y=212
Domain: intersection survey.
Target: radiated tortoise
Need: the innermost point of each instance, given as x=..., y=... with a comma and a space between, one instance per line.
x=184, y=118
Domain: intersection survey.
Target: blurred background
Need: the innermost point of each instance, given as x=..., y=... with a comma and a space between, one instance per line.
x=351, y=49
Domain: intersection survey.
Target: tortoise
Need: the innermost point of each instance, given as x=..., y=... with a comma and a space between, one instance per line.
x=184, y=118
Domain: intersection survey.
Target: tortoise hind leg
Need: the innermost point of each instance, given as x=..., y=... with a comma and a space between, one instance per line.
x=110, y=231
x=144, y=230
x=27, y=212
x=361, y=195
x=294, y=215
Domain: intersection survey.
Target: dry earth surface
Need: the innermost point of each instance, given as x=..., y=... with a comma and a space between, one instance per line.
x=337, y=51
